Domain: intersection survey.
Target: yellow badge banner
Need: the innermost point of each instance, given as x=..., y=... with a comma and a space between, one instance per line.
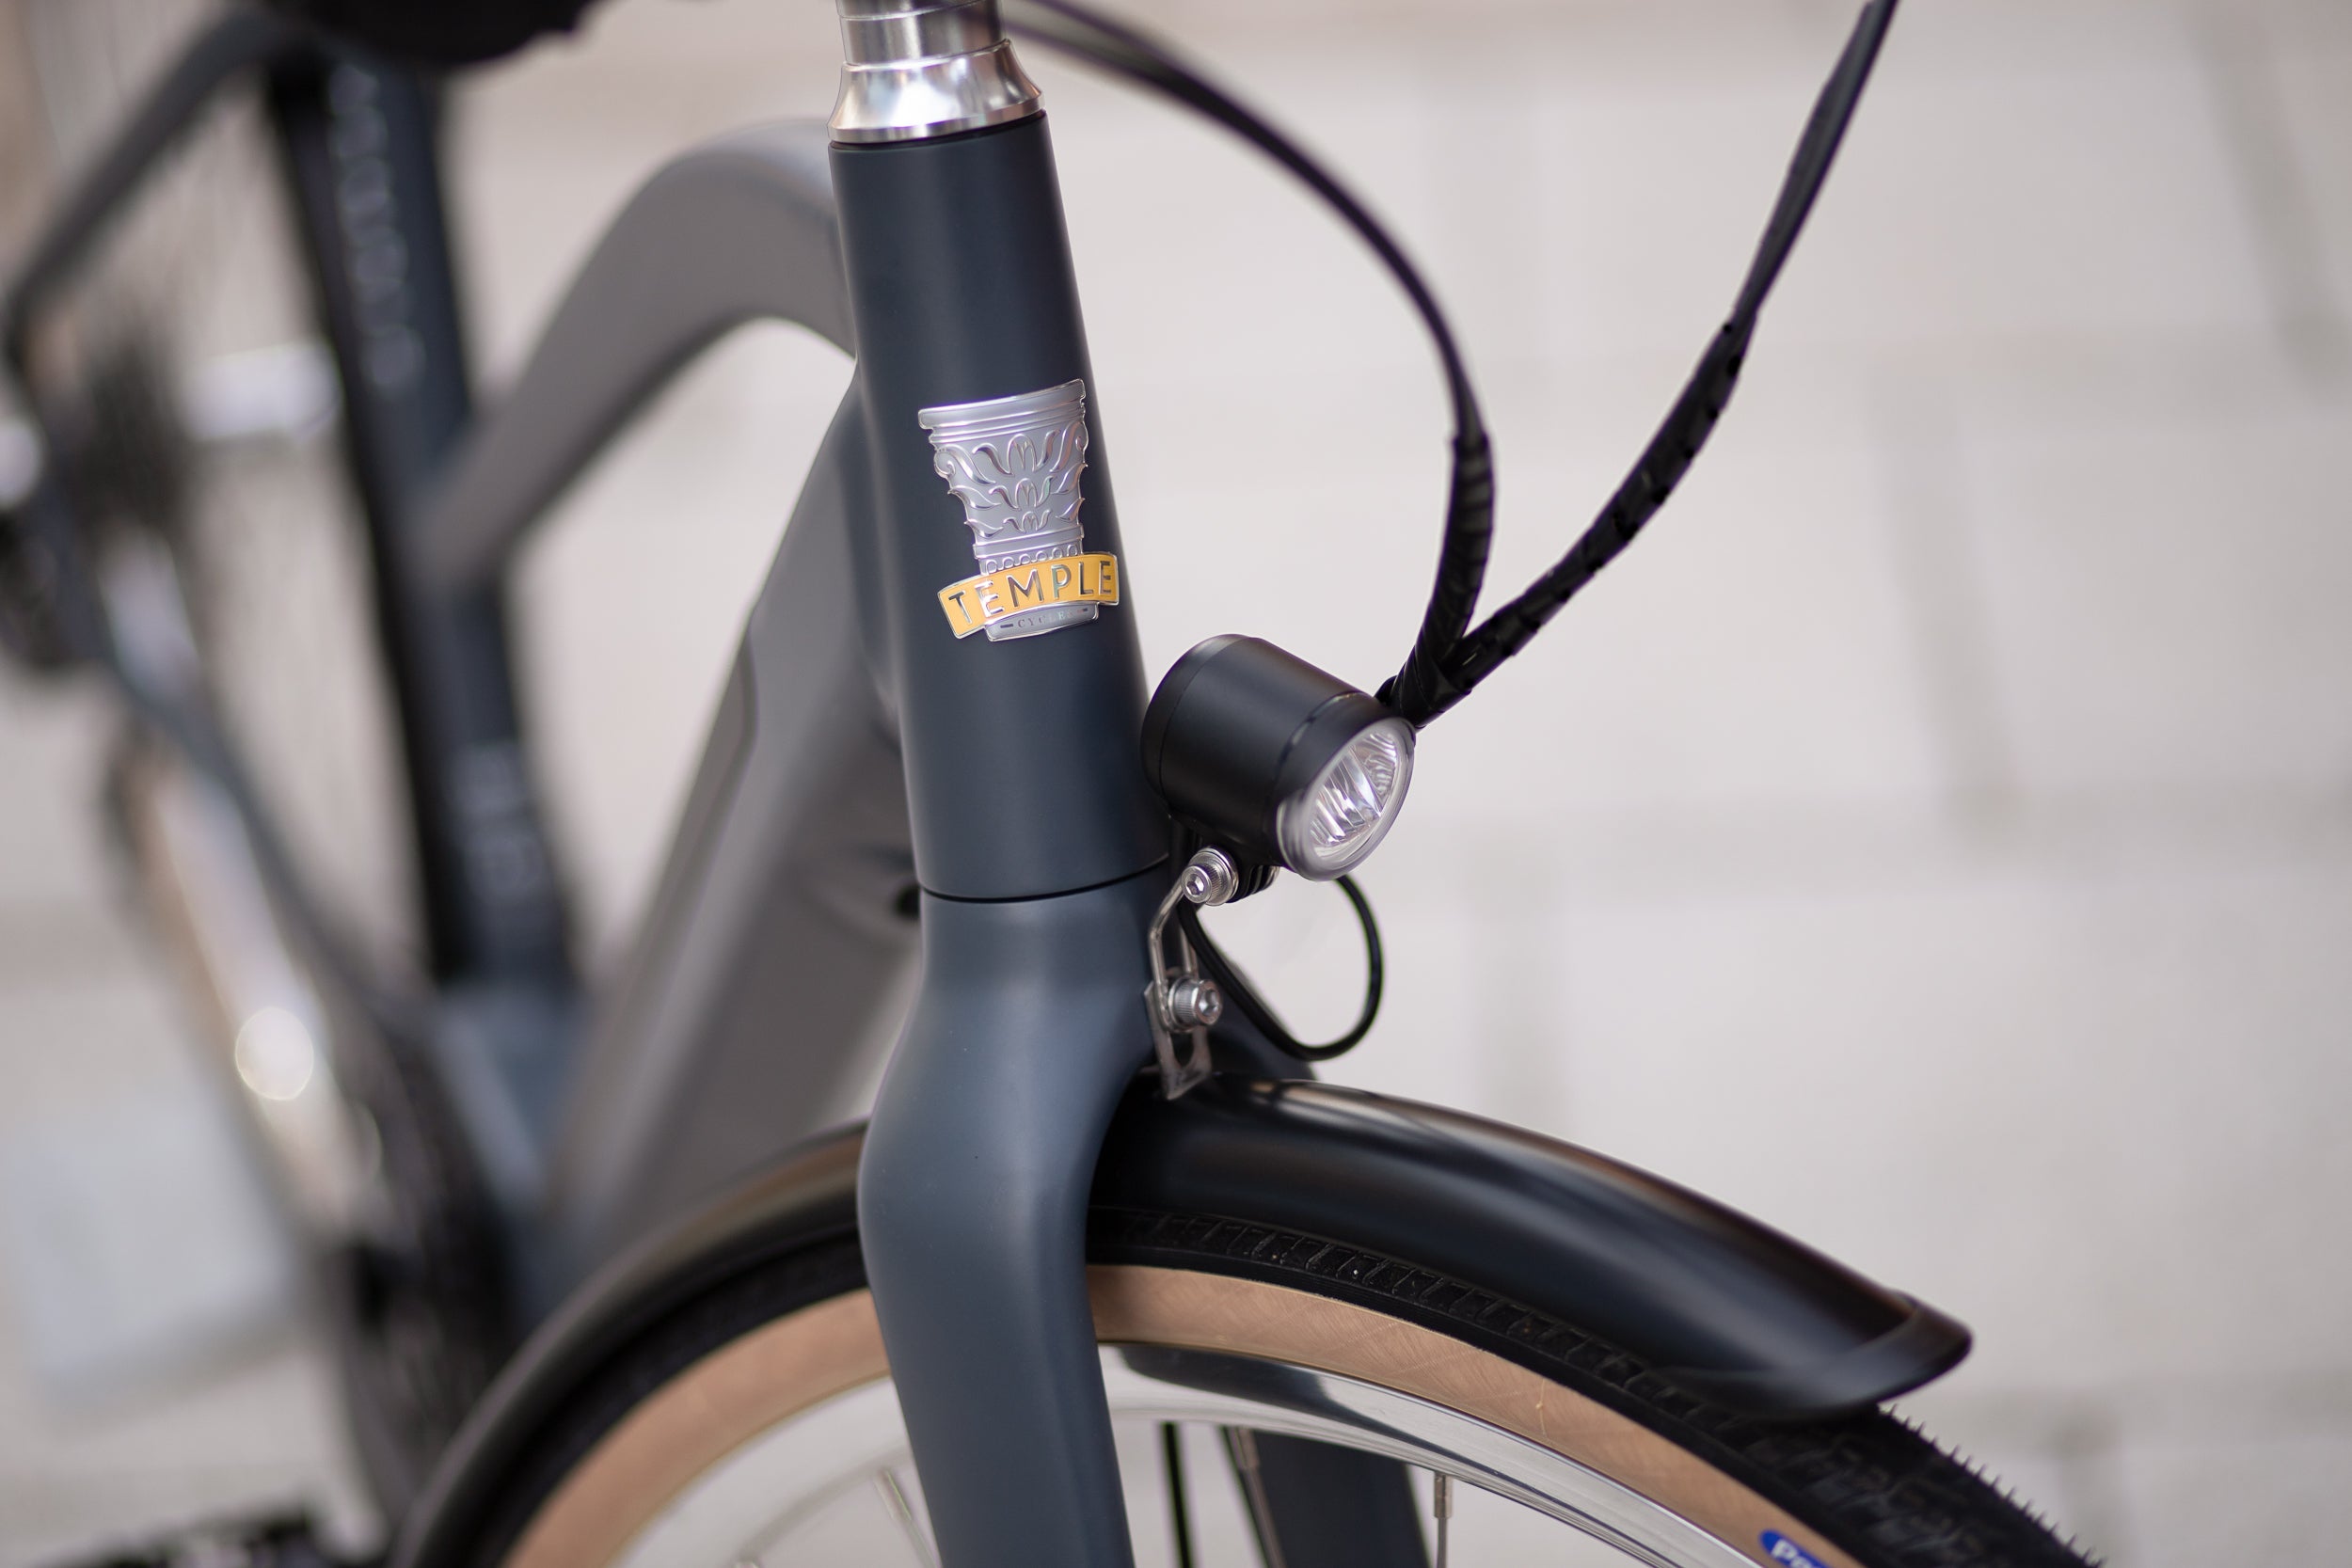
x=977, y=603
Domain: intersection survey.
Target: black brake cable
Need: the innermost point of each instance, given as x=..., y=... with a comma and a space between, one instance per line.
x=1125, y=51
x=1447, y=660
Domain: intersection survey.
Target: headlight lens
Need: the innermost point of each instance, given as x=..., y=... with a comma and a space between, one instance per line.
x=1332, y=825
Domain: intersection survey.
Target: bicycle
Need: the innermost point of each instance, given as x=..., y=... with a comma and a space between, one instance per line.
x=1099, y=1189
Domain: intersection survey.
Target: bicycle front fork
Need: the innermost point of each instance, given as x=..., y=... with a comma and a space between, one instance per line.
x=1040, y=848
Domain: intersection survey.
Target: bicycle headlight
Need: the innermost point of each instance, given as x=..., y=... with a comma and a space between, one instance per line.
x=1274, y=759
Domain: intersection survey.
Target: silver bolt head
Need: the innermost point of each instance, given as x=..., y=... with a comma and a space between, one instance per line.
x=1195, y=1004
x=1210, y=878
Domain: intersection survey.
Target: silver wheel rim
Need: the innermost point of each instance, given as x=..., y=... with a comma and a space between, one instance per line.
x=791, y=1493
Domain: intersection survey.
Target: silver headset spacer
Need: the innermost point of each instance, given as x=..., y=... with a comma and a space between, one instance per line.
x=1185, y=1001
x=917, y=69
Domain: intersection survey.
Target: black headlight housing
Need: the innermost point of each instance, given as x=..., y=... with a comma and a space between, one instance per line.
x=1267, y=756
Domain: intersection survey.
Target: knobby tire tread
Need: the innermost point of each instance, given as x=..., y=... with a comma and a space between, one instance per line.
x=1872, y=1484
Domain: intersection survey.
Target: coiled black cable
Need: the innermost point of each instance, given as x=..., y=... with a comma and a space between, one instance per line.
x=1695, y=411
x=1448, y=659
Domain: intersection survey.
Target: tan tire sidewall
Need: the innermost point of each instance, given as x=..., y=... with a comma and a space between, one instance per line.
x=785, y=1367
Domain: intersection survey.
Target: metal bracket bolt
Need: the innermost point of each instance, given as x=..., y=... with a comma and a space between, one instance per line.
x=1182, y=1001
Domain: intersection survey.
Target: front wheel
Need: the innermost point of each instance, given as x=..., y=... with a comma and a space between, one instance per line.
x=759, y=1426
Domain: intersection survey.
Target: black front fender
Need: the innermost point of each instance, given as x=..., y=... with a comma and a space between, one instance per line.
x=1725, y=1308
x=1713, y=1302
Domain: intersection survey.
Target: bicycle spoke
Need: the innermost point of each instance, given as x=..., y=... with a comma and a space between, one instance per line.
x=893, y=1497
x=1179, y=1514
x=1242, y=1443
x=1441, y=1507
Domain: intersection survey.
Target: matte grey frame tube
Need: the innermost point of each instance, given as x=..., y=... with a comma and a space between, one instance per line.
x=358, y=144
x=1041, y=853
x=750, y=1008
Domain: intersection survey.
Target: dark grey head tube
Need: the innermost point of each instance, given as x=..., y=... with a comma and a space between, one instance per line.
x=1038, y=845
x=1023, y=779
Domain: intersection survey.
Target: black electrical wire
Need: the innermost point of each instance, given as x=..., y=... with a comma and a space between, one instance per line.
x=1447, y=660
x=1238, y=990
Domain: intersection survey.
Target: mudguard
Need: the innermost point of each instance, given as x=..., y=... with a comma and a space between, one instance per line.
x=1723, y=1307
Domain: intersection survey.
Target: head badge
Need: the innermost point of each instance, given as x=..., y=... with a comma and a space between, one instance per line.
x=1014, y=464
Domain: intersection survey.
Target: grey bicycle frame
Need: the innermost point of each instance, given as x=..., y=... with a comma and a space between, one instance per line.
x=780, y=913
x=1023, y=817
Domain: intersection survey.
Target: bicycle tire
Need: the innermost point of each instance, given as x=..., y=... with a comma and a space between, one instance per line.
x=788, y=1341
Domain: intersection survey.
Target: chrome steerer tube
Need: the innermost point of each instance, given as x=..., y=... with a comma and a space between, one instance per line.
x=1040, y=847
x=918, y=69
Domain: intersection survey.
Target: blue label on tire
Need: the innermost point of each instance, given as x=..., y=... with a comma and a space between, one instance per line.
x=1781, y=1549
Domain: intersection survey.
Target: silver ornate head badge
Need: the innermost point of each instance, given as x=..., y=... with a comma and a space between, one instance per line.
x=1015, y=463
